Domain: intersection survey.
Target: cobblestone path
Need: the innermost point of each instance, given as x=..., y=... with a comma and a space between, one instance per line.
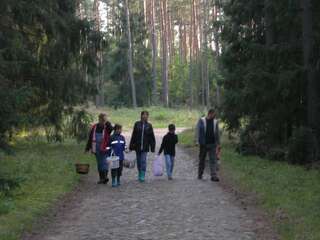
x=182, y=209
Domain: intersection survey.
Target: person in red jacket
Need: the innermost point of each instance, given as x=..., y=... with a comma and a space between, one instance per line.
x=98, y=144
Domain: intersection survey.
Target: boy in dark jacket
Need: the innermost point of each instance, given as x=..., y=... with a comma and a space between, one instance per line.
x=117, y=146
x=168, y=145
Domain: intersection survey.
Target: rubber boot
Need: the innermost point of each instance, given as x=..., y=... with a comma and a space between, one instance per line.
x=139, y=176
x=118, y=181
x=114, y=183
x=142, y=176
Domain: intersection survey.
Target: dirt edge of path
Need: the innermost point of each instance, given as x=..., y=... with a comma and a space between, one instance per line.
x=245, y=200
x=58, y=207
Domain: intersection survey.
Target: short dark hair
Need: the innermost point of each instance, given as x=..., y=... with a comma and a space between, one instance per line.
x=171, y=127
x=117, y=127
x=144, y=112
x=211, y=111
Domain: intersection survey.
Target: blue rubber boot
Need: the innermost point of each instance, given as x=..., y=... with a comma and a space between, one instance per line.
x=118, y=181
x=114, y=183
x=139, y=176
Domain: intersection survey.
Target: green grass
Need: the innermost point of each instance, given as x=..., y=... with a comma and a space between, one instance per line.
x=45, y=172
x=289, y=194
x=160, y=117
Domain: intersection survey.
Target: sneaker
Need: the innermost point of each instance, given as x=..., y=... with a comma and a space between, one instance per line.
x=215, y=179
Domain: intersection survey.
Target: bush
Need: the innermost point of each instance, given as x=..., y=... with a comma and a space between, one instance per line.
x=252, y=142
x=302, y=140
x=80, y=125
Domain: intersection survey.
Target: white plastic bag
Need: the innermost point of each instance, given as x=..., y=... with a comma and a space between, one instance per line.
x=157, y=166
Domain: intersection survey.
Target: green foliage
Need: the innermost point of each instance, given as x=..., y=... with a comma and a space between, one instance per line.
x=288, y=193
x=80, y=124
x=298, y=146
x=117, y=86
x=264, y=81
x=160, y=117
x=43, y=50
x=34, y=178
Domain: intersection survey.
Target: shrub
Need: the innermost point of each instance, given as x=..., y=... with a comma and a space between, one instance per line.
x=302, y=140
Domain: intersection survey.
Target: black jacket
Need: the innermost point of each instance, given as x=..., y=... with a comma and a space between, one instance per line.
x=168, y=144
x=149, y=141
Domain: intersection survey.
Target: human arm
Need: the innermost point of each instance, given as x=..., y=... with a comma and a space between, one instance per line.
x=152, y=139
x=133, y=138
x=89, y=142
x=162, y=146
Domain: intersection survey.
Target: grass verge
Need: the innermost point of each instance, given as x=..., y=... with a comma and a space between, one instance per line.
x=44, y=173
x=289, y=194
x=160, y=117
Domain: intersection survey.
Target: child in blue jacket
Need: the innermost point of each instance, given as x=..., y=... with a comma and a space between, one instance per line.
x=118, y=146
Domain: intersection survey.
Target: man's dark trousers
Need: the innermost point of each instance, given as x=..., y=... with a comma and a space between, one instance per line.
x=211, y=149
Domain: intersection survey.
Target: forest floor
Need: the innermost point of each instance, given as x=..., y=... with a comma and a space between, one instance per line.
x=185, y=208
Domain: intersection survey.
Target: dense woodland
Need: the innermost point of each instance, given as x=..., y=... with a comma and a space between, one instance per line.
x=257, y=62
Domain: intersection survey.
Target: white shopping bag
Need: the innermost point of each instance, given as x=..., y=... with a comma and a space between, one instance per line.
x=157, y=166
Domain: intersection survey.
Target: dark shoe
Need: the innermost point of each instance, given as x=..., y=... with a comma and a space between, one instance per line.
x=200, y=177
x=100, y=182
x=170, y=178
x=215, y=179
x=101, y=178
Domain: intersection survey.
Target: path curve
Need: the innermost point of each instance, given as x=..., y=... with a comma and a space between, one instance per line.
x=182, y=209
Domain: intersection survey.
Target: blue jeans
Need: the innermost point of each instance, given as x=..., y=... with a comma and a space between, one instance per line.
x=169, y=164
x=101, y=161
x=142, y=161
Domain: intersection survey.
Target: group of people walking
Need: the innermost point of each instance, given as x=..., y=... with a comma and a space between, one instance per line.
x=105, y=139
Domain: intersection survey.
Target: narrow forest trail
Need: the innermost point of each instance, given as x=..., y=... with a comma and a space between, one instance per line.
x=182, y=209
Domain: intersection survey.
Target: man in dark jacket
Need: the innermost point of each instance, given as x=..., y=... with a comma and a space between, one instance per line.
x=208, y=138
x=142, y=141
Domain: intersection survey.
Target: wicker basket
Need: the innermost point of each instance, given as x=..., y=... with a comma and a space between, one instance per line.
x=82, y=168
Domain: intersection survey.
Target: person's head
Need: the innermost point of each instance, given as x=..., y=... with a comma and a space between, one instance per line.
x=118, y=128
x=102, y=118
x=211, y=114
x=172, y=128
x=144, y=116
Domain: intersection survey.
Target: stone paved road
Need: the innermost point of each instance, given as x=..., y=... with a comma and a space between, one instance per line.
x=182, y=209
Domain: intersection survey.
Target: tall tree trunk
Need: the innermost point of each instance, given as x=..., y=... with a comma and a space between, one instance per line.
x=205, y=55
x=216, y=13
x=312, y=94
x=130, y=61
x=165, y=85
x=191, y=54
x=154, y=52
x=99, y=56
x=269, y=23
